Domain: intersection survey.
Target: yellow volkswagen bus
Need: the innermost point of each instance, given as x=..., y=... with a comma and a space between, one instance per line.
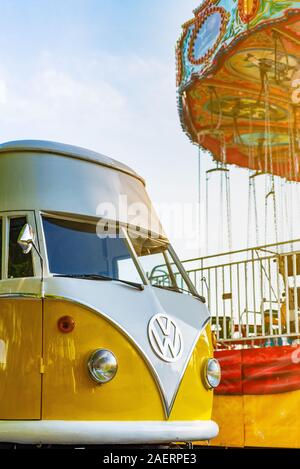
x=92, y=349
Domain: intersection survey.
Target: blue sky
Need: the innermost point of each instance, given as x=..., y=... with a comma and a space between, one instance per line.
x=98, y=73
x=77, y=26
x=101, y=74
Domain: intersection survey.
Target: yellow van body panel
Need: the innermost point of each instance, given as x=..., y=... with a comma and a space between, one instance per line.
x=68, y=391
x=70, y=394
x=194, y=401
x=20, y=355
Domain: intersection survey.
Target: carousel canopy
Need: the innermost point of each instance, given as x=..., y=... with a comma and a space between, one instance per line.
x=238, y=76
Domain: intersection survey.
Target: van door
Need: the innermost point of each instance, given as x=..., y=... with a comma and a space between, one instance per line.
x=20, y=323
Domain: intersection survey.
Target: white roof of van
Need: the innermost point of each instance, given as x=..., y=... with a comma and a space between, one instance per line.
x=45, y=146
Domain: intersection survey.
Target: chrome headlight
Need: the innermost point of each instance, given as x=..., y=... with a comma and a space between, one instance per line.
x=212, y=373
x=102, y=366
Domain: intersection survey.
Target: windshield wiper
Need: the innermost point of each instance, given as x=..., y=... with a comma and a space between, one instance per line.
x=167, y=287
x=140, y=286
x=180, y=290
x=196, y=295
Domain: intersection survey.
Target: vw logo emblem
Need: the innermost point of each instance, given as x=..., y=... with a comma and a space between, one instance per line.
x=165, y=337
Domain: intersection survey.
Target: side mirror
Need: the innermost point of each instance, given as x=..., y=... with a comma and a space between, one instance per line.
x=26, y=238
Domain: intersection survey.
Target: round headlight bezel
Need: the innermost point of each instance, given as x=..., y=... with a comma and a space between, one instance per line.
x=212, y=373
x=109, y=360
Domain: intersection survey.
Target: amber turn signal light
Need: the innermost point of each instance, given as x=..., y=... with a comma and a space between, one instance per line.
x=66, y=324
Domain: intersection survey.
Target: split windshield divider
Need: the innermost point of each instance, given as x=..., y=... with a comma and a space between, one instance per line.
x=134, y=256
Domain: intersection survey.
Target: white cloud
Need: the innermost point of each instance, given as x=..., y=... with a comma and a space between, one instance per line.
x=121, y=106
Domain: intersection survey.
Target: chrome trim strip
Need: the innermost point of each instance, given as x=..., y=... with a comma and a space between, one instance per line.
x=20, y=295
x=105, y=432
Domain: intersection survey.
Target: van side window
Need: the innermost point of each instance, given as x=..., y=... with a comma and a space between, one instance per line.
x=19, y=264
x=0, y=248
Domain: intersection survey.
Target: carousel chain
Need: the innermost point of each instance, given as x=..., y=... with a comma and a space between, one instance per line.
x=270, y=192
x=287, y=209
x=199, y=198
x=224, y=193
x=274, y=208
x=282, y=210
x=252, y=197
x=221, y=221
x=228, y=198
x=249, y=209
x=255, y=213
x=267, y=139
x=252, y=188
x=291, y=209
x=293, y=159
x=206, y=212
x=266, y=209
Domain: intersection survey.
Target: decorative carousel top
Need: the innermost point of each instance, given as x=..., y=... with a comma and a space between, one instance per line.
x=238, y=77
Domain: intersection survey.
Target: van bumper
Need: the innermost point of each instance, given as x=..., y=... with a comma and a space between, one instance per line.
x=105, y=432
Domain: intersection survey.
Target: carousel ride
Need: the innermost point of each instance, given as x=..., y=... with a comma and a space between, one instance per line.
x=238, y=78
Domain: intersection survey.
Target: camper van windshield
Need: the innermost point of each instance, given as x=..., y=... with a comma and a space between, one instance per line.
x=160, y=267
x=75, y=249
